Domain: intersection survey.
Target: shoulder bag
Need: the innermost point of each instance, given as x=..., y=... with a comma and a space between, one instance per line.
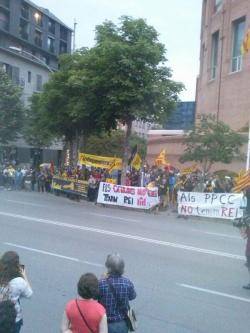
x=83, y=318
x=130, y=316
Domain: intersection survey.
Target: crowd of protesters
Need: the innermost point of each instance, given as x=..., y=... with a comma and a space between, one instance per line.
x=169, y=180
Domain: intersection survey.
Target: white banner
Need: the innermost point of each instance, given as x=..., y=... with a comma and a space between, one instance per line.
x=216, y=205
x=127, y=196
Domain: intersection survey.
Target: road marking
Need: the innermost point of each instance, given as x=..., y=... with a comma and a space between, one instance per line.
x=25, y=203
x=222, y=235
x=114, y=217
x=126, y=236
x=213, y=292
x=53, y=254
x=217, y=234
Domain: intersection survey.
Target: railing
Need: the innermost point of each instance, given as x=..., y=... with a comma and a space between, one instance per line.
x=237, y=63
x=4, y=25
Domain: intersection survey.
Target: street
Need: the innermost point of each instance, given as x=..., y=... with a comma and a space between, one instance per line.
x=188, y=273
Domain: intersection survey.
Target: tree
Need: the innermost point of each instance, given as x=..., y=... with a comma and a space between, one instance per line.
x=212, y=141
x=109, y=144
x=11, y=109
x=64, y=109
x=127, y=73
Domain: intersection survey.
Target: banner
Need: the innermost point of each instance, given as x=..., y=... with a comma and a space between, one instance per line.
x=216, y=205
x=127, y=196
x=102, y=162
x=68, y=185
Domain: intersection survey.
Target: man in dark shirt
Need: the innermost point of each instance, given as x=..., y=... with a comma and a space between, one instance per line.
x=115, y=292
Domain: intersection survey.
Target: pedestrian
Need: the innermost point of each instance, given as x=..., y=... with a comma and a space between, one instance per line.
x=115, y=292
x=7, y=317
x=85, y=314
x=14, y=284
x=41, y=181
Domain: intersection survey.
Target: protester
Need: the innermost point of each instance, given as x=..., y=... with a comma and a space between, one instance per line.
x=14, y=284
x=7, y=317
x=115, y=292
x=85, y=314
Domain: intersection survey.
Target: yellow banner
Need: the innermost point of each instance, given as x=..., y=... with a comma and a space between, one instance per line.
x=102, y=162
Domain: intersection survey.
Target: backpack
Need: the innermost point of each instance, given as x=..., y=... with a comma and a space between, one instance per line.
x=4, y=294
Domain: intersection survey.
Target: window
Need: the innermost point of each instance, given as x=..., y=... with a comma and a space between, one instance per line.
x=39, y=82
x=38, y=19
x=51, y=45
x=217, y=5
x=63, y=33
x=4, y=20
x=38, y=38
x=214, y=54
x=5, y=3
x=24, y=29
x=29, y=77
x=15, y=75
x=238, y=37
x=63, y=47
x=52, y=26
x=25, y=10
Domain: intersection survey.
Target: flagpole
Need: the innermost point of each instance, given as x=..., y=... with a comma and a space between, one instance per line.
x=248, y=149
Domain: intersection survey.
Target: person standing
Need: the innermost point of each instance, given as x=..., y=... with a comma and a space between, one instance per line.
x=115, y=292
x=85, y=314
x=14, y=284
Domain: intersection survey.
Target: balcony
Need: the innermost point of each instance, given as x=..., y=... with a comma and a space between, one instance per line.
x=237, y=64
x=5, y=4
x=38, y=41
x=4, y=25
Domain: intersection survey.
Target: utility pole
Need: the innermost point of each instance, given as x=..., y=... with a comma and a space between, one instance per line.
x=74, y=36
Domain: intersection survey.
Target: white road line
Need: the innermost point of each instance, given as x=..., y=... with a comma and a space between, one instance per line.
x=213, y=292
x=114, y=217
x=222, y=235
x=52, y=254
x=25, y=203
x=126, y=236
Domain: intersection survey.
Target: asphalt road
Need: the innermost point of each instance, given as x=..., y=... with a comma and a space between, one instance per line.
x=188, y=273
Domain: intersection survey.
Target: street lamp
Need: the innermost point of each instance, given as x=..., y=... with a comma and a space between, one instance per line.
x=18, y=49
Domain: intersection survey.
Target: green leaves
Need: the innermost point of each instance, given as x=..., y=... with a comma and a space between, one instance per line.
x=11, y=110
x=212, y=141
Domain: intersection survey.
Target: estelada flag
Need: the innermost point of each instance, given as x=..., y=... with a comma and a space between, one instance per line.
x=133, y=153
x=136, y=162
x=161, y=158
x=245, y=47
x=242, y=182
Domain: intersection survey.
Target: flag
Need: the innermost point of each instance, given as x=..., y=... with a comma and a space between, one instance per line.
x=188, y=171
x=245, y=47
x=136, y=162
x=242, y=182
x=161, y=158
x=133, y=153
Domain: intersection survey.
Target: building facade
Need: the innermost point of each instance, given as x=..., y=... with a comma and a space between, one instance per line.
x=223, y=85
x=31, y=39
x=182, y=118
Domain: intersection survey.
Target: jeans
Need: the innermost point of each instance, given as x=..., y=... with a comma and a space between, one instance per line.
x=19, y=324
x=118, y=327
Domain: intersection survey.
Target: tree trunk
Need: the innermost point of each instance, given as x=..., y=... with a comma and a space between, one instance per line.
x=126, y=151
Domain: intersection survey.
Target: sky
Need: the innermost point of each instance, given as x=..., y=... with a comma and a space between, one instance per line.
x=177, y=22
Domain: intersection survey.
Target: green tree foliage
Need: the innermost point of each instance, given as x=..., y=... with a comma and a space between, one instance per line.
x=128, y=73
x=11, y=109
x=109, y=144
x=212, y=141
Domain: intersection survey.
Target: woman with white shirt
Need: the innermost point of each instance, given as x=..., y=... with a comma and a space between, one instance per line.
x=14, y=284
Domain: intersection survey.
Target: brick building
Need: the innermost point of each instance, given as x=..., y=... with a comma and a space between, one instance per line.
x=223, y=85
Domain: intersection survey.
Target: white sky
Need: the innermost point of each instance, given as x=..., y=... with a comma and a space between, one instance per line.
x=177, y=21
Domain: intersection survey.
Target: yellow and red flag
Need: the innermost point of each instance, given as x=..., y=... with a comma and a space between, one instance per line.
x=161, y=159
x=242, y=181
x=245, y=47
